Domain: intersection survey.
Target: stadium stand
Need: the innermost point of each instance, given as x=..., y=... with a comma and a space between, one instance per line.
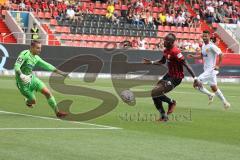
x=93, y=24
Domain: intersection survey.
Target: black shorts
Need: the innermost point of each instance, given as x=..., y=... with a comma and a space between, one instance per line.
x=174, y=82
x=165, y=85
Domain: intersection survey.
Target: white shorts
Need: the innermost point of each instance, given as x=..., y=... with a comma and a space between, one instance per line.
x=209, y=77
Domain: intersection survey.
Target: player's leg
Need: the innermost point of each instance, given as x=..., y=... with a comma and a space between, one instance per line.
x=218, y=92
x=158, y=94
x=26, y=91
x=159, y=106
x=41, y=87
x=204, y=78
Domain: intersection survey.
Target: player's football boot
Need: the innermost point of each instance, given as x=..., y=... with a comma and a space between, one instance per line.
x=61, y=114
x=210, y=99
x=171, y=107
x=227, y=105
x=163, y=118
x=28, y=104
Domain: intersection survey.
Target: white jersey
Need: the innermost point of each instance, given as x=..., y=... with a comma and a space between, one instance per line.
x=142, y=45
x=210, y=53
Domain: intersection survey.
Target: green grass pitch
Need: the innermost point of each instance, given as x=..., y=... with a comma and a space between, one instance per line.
x=196, y=130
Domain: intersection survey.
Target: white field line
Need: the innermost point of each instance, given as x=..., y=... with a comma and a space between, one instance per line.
x=2, y=129
x=49, y=118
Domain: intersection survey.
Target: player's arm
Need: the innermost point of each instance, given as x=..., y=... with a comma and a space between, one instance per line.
x=157, y=62
x=179, y=56
x=47, y=66
x=190, y=70
x=17, y=67
x=197, y=55
x=217, y=51
x=18, y=64
x=218, y=64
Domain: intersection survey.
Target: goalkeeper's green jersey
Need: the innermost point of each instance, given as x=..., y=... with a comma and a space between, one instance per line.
x=26, y=61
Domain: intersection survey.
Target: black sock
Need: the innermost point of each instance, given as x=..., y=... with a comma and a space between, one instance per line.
x=164, y=98
x=158, y=104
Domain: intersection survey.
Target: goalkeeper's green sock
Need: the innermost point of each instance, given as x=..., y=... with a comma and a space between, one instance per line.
x=52, y=103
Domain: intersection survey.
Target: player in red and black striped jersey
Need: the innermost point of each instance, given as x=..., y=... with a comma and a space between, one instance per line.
x=175, y=61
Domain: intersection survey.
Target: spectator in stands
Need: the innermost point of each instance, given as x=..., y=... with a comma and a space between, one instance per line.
x=51, y=7
x=160, y=45
x=162, y=18
x=127, y=43
x=130, y=16
x=45, y=6
x=169, y=19
x=142, y=43
x=22, y=5
x=110, y=11
x=134, y=42
x=70, y=14
x=136, y=19
x=138, y=6
x=35, y=32
x=181, y=20
x=195, y=46
x=196, y=21
x=149, y=19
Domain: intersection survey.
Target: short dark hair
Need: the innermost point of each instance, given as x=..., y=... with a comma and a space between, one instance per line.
x=206, y=31
x=34, y=42
x=172, y=36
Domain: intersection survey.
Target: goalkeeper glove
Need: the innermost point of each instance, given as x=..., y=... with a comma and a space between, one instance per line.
x=25, y=78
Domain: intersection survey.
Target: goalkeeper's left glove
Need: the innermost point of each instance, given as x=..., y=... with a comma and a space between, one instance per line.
x=26, y=78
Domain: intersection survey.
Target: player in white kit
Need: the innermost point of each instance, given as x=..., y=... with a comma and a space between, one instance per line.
x=211, y=68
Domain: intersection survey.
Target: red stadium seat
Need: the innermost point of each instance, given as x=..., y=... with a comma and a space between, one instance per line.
x=186, y=29
x=167, y=28
x=104, y=6
x=117, y=7
x=161, y=34
x=173, y=29
x=64, y=36
x=98, y=5
x=3, y=12
x=160, y=28
x=179, y=29
x=58, y=29
x=155, y=9
x=198, y=30
x=53, y=22
x=192, y=30
x=66, y=30
x=124, y=7
x=41, y=15
x=48, y=15
x=214, y=25
x=78, y=37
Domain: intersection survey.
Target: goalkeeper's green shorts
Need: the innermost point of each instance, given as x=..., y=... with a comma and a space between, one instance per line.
x=27, y=90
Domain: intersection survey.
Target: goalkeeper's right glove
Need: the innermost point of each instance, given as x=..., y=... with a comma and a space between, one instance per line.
x=26, y=78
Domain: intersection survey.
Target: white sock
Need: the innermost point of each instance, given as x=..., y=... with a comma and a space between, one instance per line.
x=220, y=95
x=205, y=91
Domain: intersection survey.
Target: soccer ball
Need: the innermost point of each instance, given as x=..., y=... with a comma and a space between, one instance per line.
x=128, y=97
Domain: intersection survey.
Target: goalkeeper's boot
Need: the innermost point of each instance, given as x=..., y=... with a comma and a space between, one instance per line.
x=61, y=114
x=171, y=107
x=30, y=105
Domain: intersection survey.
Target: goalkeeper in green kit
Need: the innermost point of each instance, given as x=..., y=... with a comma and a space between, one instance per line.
x=27, y=83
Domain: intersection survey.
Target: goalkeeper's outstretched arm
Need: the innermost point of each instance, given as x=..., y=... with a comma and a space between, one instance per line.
x=47, y=66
